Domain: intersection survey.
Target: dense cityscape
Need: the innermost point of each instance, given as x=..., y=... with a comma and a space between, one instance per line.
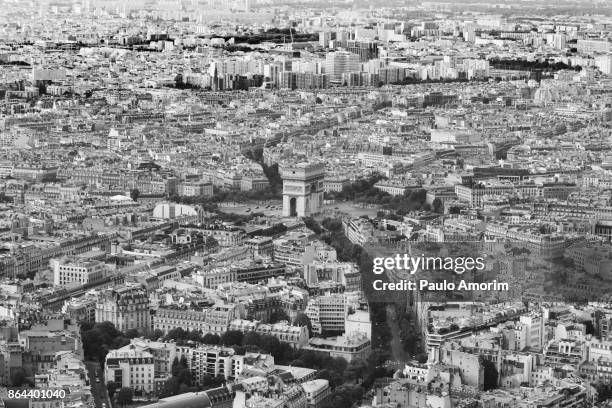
x=305, y=204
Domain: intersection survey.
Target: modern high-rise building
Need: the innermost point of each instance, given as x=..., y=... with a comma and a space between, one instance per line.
x=324, y=38
x=342, y=38
x=469, y=33
x=559, y=41
x=327, y=313
x=341, y=62
x=604, y=63
x=590, y=46
x=303, y=80
x=366, y=50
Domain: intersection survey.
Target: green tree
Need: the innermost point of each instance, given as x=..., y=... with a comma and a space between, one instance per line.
x=176, y=367
x=274, y=178
x=185, y=377
x=312, y=224
x=356, y=369
x=131, y=334
x=171, y=387
x=589, y=327
x=284, y=354
x=270, y=344
x=177, y=334
x=99, y=338
x=18, y=377
x=231, y=337
x=339, y=364
x=212, y=382
x=345, y=396
x=302, y=320
x=111, y=387
x=251, y=338
x=490, y=375
x=124, y=396
x=333, y=377
x=195, y=335
x=422, y=358
x=211, y=338
x=604, y=392
x=278, y=316
x=155, y=334
x=178, y=81
x=134, y=194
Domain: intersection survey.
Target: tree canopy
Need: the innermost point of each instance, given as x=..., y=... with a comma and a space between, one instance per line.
x=99, y=339
x=124, y=396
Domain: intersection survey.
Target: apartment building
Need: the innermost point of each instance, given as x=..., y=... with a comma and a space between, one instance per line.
x=82, y=272
x=317, y=393
x=349, y=348
x=258, y=271
x=125, y=307
x=260, y=246
x=215, y=361
x=345, y=273
x=327, y=313
x=296, y=336
x=163, y=354
x=215, y=319
x=196, y=189
x=130, y=367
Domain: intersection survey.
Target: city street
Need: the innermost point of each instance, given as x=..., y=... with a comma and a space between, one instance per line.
x=98, y=389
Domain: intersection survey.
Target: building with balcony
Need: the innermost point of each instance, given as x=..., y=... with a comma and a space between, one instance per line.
x=130, y=367
x=126, y=308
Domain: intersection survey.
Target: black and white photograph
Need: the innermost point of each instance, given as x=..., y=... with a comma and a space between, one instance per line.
x=305, y=204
